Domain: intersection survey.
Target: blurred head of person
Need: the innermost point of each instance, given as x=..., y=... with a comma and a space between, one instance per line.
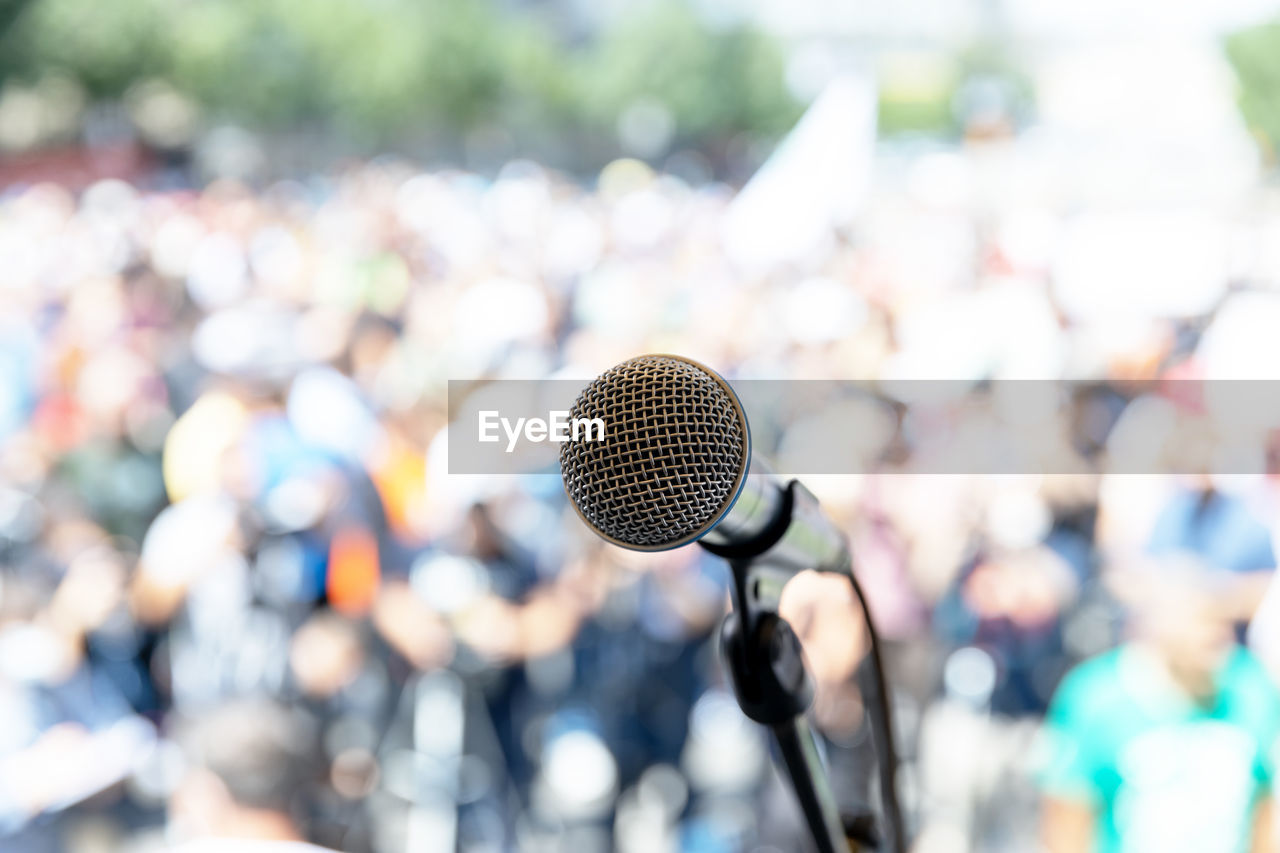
x=1182, y=611
x=826, y=617
x=326, y=654
x=1027, y=587
x=247, y=761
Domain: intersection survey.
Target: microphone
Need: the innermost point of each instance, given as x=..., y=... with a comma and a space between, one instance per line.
x=676, y=467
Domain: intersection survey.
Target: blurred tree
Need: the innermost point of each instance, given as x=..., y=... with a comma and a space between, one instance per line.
x=103, y=47
x=1255, y=54
x=9, y=12
x=375, y=71
x=714, y=82
x=981, y=89
x=916, y=91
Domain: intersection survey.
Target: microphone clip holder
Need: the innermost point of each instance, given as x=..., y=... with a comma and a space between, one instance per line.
x=765, y=664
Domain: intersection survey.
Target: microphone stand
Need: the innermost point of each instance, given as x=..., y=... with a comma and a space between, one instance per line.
x=763, y=659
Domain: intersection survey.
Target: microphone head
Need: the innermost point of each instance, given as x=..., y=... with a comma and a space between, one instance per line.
x=673, y=458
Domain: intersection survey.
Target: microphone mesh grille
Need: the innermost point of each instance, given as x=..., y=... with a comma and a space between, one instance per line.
x=674, y=453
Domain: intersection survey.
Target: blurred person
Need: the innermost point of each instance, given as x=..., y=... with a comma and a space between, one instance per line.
x=1217, y=526
x=640, y=654
x=829, y=622
x=1167, y=742
x=71, y=735
x=1000, y=636
x=1220, y=528
x=1010, y=604
x=826, y=617
x=249, y=763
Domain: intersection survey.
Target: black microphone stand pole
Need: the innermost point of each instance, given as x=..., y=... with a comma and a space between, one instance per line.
x=763, y=659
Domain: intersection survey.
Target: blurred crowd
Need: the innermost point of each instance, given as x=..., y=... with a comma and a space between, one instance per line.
x=240, y=588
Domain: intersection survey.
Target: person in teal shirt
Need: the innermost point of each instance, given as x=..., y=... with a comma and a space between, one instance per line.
x=1167, y=743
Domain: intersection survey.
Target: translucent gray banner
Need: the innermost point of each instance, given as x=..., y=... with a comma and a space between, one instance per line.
x=999, y=427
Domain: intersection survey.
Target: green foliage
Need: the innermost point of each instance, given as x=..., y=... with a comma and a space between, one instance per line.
x=714, y=83
x=103, y=46
x=931, y=117
x=9, y=12
x=936, y=95
x=375, y=69
x=1255, y=55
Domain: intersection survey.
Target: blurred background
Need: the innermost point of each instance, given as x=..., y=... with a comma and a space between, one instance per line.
x=244, y=246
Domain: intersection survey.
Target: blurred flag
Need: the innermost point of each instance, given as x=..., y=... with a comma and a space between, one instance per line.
x=816, y=180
